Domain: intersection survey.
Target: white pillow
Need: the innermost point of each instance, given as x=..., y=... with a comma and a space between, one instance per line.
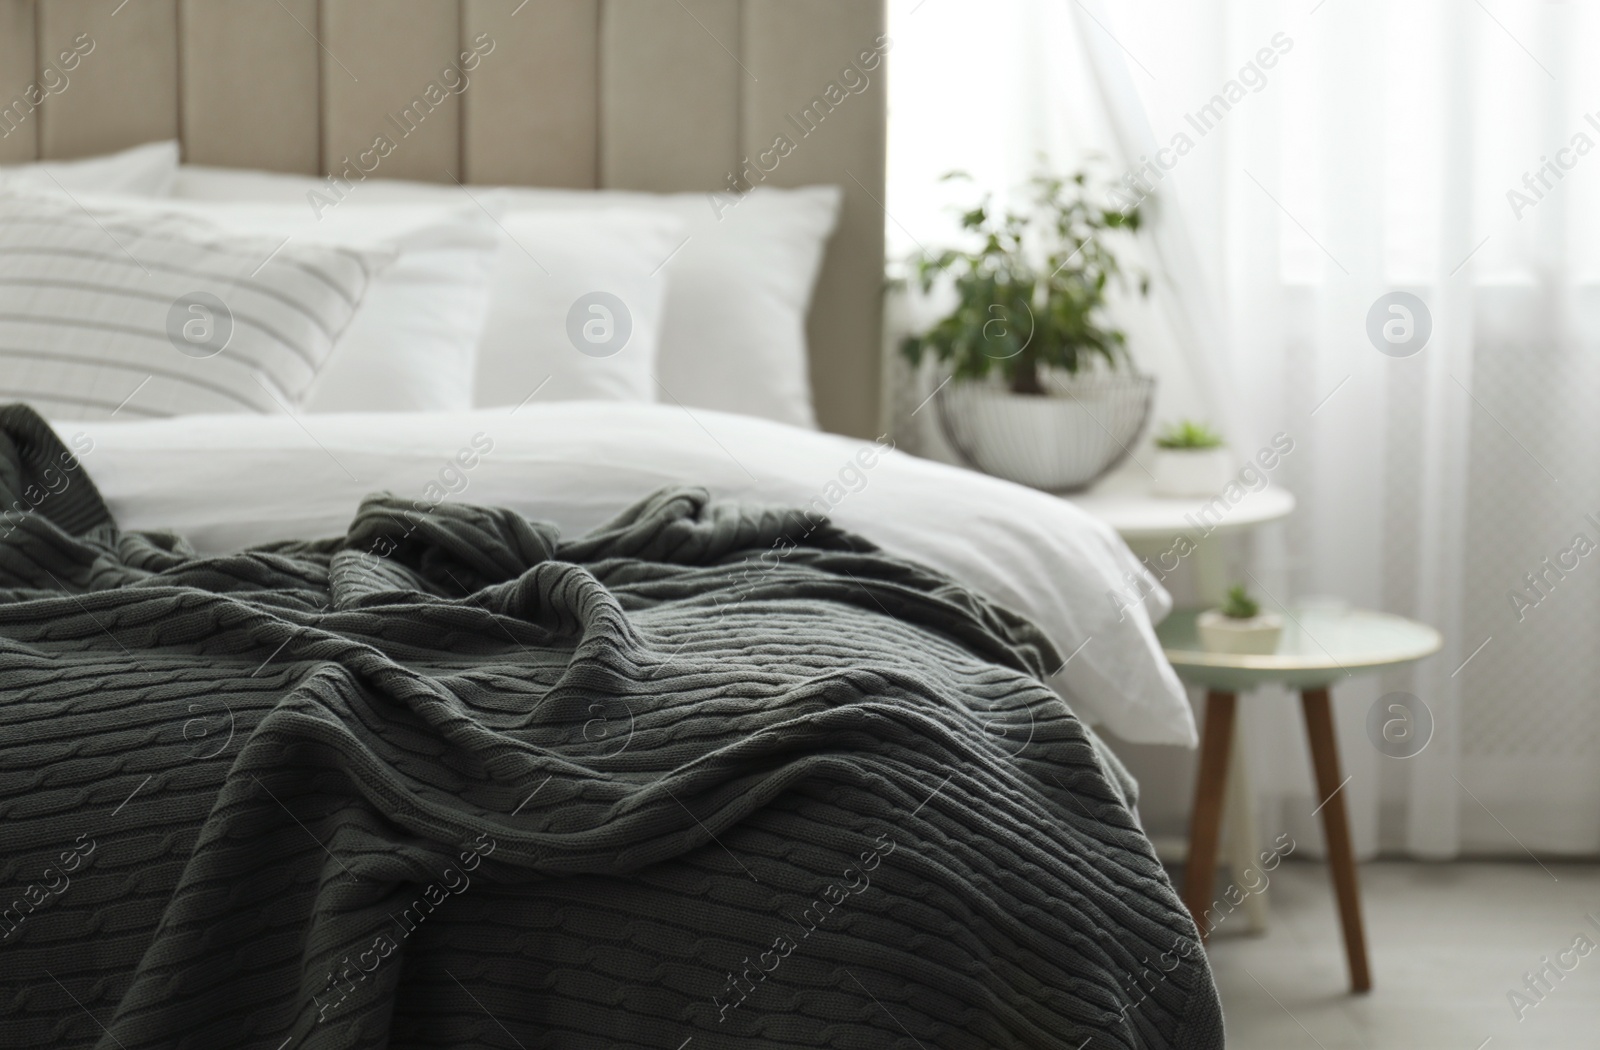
x=735, y=333
x=576, y=309
x=575, y=301
x=412, y=345
x=147, y=170
x=733, y=336
x=107, y=309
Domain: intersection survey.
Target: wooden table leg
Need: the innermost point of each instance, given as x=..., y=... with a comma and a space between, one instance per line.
x=1336, y=827
x=1205, y=823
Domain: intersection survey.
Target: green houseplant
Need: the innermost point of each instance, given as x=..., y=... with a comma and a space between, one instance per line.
x=1239, y=626
x=1041, y=388
x=1191, y=460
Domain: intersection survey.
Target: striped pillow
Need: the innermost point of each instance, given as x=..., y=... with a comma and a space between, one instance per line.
x=106, y=310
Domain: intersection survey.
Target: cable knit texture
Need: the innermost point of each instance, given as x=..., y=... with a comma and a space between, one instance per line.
x=712, y=776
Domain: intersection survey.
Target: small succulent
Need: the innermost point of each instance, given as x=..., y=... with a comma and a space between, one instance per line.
x=1240, y=606
x=1188, y=434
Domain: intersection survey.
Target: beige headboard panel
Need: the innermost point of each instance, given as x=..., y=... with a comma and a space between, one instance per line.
x=661, y=95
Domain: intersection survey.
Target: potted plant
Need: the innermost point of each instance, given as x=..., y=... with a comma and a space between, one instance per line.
x=1191, y=460
x=1240, y=626
x=1040, y=389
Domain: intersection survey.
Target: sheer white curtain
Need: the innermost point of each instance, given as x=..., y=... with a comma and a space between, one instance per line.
x=1331, y=153
x=1003, y=91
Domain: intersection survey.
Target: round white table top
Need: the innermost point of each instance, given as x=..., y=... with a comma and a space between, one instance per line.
x=1126, y=504
x=1319, y=646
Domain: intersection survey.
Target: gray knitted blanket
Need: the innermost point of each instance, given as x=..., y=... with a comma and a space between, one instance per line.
x=710, y=777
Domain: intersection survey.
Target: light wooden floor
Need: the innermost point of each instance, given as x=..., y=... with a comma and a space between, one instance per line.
x=1448, y=942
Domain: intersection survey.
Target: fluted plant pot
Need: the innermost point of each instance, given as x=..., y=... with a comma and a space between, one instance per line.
x=1060, y=441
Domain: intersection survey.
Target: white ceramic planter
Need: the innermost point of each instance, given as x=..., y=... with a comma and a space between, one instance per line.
x=1059, y=441
x=1192, y=473
x=1257, y=636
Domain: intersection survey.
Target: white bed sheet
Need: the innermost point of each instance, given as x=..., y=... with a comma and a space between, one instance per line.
x=231, y=481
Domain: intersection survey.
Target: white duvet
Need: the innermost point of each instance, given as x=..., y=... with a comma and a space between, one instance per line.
x=231, y=481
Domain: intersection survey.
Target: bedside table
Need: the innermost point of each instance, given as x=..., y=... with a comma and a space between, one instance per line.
x=1125, y=503
x=1318, y=647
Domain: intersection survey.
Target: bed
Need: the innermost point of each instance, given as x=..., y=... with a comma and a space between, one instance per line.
x=414, y=633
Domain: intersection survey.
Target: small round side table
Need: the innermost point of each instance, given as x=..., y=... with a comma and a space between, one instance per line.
x=1319, y=646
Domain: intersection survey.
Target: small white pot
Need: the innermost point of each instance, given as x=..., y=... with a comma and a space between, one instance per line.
x=1257, y=636
x=1183, y=473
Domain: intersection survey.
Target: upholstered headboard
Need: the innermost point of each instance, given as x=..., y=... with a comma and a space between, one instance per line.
x=660, y=95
